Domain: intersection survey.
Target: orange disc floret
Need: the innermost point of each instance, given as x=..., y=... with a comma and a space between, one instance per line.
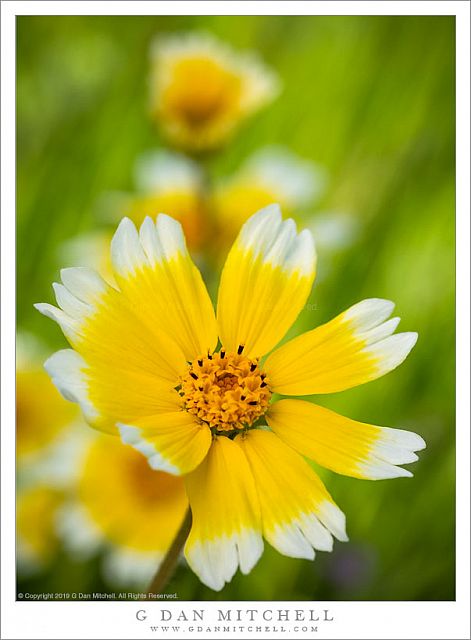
x=228, y=391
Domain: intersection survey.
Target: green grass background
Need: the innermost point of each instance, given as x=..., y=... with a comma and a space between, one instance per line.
x=371, y=99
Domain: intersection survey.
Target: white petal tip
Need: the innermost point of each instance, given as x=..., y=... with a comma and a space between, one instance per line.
x=270, y=215
x=158, y=463
x=43, y=307
x=149, y=220
x=420, y=443
x=127, y=254
x=171, y=235
x=132, y=436
x=334, y=520
x=305, y=252
x=405, y=473
x=271, y=210
x=71, y=272
x=342, y=536
x=129, y=434
x=84, y=283
x=277, y=242
x=216, y=561
x=369, y=313
x=126, y=222
x=67, y=370
x=415, y=337
x=394, y=447
x=390, y=352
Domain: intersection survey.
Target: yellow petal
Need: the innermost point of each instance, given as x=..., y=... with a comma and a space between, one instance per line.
x=265, y=282
x=172, y=442
x=226, y=530
x=298, y=514
x=355, y=347
x=343, y=445
x=123, y=366
x=157, y=276
x=129, y=503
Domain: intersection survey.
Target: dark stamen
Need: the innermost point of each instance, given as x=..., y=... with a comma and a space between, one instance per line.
x=240, y=349
x=200, y=362
x=243, y=397
x=253, y=403
x=253, y=366
x=210, y=357
x=263, y=384
x=222, y=353
x=193, y=375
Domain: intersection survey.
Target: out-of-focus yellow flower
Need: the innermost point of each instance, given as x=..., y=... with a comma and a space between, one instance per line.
x=37, y=539
x=123, y=504
x=272, y=174
x=135, y=506
x=201, y=90
x=41, y=413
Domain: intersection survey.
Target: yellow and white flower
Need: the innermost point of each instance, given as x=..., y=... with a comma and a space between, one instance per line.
x=145, y=362
x=122, y=505
x=201, y=90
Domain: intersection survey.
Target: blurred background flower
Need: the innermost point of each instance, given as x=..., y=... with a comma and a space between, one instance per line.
x=201, y=90
x=124, y=508
x=370, y=101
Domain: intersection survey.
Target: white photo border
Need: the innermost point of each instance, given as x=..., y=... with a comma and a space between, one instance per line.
x=365, y=620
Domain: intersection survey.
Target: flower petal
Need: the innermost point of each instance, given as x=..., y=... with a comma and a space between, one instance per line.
x=343, y=445
x=298, y=514
x=226, y=530
x=265, y=282
x=172, y=442
x=353, y=348
x=104, y=402
x=158, y=278
x=125, y=366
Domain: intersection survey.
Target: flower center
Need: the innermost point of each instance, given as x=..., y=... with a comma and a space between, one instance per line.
x=228, y=391
x=202, y=89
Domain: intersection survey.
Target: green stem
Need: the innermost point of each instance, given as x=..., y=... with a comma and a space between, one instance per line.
x=167, y=568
